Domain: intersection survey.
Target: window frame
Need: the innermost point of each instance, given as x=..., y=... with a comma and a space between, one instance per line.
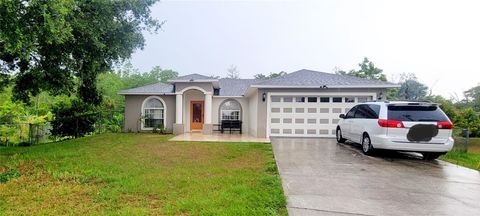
x=143, y=113
x=220, y=110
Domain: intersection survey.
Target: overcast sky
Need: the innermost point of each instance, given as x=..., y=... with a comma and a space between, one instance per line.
x=439, y=41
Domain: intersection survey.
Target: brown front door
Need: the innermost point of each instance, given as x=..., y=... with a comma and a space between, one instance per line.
x=196, y=115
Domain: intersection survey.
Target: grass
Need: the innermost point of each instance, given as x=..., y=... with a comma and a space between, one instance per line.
x=140, y=174
x=470, y=159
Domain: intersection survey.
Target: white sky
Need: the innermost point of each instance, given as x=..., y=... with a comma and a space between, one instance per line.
x=439, y=41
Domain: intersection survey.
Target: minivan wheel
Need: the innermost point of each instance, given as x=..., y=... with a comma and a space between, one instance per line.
x=340, y=139
x=367, y=147
x=431, y=155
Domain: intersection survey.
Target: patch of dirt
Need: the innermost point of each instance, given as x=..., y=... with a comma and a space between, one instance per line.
x=38, y=193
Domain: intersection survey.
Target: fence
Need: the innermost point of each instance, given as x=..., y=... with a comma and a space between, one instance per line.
x=30, y=134
x=24, y=133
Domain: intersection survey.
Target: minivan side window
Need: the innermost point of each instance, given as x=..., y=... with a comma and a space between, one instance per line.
x=374, y=110
x=351, y=113
x=369, y=111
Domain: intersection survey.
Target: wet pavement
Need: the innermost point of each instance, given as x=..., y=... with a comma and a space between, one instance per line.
x=321, y=177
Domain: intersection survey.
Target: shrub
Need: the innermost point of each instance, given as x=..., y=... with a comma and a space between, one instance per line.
x=76, y=119
x=468, y=118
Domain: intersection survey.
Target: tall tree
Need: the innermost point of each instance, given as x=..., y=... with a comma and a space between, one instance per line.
x=270, y=76
x=411, y=88
x=233, y=73
x=60, y=46
x=472, y=97
x=367, y=70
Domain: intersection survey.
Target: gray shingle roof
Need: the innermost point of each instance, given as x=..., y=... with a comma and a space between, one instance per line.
x=315, y=78
x=238, y=87
x=235, y=87
x=193, y=77
x=157, y=88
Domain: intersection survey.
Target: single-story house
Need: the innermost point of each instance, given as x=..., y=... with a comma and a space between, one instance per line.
x=304, y=103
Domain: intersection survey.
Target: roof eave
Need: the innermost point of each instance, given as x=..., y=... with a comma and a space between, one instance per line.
x=146, y=93
x=328, y=86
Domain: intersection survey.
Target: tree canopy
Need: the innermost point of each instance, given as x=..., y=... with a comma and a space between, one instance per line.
x=233, y=73
x=61, y=46
x=269, y=76
x=411, y=88
x=367, y=70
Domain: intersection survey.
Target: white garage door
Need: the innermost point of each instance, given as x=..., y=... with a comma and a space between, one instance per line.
x=309, y=115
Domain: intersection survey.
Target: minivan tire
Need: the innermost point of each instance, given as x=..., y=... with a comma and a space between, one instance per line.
x=339, y=137
x=367, y=147
x=432, y=155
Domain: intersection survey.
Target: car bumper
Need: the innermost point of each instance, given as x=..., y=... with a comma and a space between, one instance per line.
x=383, y=142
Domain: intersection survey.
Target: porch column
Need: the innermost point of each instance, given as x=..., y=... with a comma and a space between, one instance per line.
x=207, y=126
x=178, y=109
x=178, y=126
x=208, y=108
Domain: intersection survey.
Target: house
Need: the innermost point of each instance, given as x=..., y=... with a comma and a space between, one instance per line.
x=304, y=103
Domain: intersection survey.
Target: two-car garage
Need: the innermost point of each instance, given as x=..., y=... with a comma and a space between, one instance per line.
x=308, y=114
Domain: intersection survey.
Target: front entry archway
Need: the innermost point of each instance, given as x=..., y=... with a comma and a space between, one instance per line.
x=196, y=115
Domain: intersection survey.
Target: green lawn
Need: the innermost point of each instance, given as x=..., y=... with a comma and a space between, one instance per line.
x=140, y=174
x=469, y=159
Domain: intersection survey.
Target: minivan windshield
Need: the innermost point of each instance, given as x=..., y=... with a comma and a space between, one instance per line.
x=416, y=113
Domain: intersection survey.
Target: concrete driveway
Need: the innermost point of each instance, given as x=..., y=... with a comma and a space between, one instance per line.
x=321, y=177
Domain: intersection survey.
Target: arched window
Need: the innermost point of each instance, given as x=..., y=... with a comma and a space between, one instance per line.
x=230, y=110
x=154, y=113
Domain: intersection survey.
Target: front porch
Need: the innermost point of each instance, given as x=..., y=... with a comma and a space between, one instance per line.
x=218, y=137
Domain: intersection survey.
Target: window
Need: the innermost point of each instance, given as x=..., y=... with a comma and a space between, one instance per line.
x=351, y=113
x=312, y=99
x=154, y=113
x=416, y=113
x=287, y=99
x=276, y=99
x=230, y=110
x=367, y=111
x=349, y=100
x=324, y=99
x=337, y=99
x=300, y=99
x=364, y=99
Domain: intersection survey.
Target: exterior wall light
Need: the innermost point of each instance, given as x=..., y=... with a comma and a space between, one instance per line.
x=264, y=96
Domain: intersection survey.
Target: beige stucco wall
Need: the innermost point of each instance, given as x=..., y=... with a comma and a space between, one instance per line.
x=252, y=110
x=262, y=106
x=217, y=101
x=133, y=111
x=208, y=87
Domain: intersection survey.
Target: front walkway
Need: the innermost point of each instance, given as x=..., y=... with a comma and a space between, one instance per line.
x=218, y=137
x=321, y=177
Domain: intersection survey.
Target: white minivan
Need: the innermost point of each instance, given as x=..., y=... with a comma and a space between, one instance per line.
x=397, y=125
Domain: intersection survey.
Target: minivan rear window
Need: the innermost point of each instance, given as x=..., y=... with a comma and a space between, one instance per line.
x=416, y=113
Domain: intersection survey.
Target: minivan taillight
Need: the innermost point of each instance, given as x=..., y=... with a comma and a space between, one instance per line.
x=390, y=123
x=444, y=125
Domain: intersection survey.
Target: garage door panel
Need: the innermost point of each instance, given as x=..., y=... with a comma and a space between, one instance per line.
x=308, y=116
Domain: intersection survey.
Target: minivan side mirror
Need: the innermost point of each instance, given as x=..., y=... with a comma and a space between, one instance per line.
x=342, y=116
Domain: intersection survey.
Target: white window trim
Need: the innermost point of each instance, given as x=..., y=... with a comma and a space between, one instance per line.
x=221, y=111
x=164, y=112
